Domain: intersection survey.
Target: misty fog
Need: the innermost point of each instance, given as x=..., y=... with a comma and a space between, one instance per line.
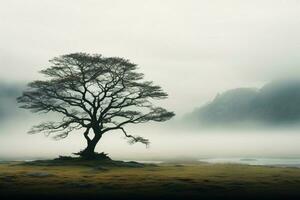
x=193, y=49
x=167, y=143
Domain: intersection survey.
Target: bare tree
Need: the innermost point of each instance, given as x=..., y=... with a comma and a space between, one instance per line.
x=96, y=94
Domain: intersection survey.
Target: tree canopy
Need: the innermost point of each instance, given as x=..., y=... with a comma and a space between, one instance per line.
x=92, y=92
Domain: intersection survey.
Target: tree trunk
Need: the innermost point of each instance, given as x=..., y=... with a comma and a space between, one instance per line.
x=89, y=151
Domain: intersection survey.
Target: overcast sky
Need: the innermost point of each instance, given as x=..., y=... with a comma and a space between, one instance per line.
x=194, y=49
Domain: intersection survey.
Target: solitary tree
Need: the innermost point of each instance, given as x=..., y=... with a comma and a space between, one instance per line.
x=96, y=94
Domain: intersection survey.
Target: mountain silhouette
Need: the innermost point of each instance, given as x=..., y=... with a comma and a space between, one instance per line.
x=277, y=102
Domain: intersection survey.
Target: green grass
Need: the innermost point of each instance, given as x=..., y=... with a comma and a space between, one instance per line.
x=95, y=179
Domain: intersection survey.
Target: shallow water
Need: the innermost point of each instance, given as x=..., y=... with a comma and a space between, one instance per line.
x=285, y=162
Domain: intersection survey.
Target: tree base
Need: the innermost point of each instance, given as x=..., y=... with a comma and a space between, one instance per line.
x=105, y=164
x=92, y=156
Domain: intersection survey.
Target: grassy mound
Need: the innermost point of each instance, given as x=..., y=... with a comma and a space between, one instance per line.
x=78, y=161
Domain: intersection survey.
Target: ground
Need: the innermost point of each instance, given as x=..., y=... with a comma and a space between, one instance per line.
x=119, y=180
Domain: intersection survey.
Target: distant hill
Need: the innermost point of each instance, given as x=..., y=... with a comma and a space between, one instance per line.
x=277, y=102
x=8, y=104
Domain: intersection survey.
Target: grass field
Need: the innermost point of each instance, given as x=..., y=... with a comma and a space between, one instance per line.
x=95, y=180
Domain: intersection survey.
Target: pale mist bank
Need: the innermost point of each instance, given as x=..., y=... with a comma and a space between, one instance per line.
x=166, y=144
